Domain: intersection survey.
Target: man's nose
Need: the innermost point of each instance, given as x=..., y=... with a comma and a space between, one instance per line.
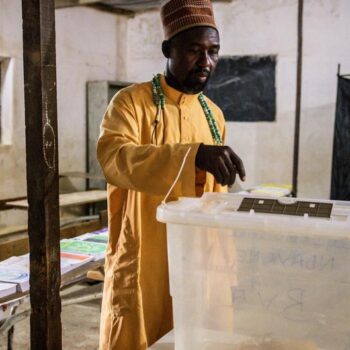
x=204, y=60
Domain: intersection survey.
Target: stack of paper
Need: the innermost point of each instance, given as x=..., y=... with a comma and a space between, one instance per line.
x=14, y=272
x=272, y=189
x=71, y=261
x=16, y=269
x=96, y=250
x=18, y=275
x=100, y=236
x=7, y=289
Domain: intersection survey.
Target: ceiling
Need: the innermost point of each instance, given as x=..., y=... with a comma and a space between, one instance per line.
x=128, y=7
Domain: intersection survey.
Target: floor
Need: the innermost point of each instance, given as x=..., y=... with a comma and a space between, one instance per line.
x=80, y=328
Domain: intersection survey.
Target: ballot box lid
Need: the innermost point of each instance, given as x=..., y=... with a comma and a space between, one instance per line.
x=267, y=214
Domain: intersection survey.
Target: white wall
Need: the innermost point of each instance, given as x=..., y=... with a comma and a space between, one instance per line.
x=267, y=27
x=12, y=154
x=327, y=31
x=264, y=28
x=87, y=49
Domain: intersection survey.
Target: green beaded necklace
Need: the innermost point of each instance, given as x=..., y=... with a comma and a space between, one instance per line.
x=159, y=101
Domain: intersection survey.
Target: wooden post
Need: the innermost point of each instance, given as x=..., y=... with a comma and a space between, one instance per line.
x=298, y=99
x=39, y=56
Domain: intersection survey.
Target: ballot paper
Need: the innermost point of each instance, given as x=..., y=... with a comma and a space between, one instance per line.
x=96, y=250
x=16, y=269
x=100, y=236
x=15, y=274
x=71, y=261
x=272, y=190
x=7, y=289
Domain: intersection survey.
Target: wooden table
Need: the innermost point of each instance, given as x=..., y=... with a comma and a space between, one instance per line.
x=67, y=279
x=11, y=302
x=68, y=199
x=82, y=175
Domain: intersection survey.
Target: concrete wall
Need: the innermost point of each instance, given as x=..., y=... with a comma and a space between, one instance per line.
x=266, y=27
x=326, y=32
x=86, y=47
x=12, y=153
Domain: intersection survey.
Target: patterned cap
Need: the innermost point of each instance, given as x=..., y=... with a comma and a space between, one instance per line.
x=179, y=15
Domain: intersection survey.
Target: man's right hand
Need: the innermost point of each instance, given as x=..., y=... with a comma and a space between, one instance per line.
x=220, y=161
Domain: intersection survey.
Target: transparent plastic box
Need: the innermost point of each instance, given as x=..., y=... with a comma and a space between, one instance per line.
x=245, y=280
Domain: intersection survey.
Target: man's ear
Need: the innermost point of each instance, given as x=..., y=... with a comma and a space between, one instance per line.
x=166, y=48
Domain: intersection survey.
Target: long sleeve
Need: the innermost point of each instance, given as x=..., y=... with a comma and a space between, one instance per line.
x=129, y=164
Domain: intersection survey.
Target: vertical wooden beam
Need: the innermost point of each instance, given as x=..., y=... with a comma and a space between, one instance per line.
x=39, y=57
x=298, y=98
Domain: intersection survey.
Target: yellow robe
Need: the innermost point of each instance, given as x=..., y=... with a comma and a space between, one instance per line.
x=136, y=306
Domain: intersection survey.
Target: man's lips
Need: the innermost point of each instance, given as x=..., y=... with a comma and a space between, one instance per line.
x=202, y=75
x=202, y=79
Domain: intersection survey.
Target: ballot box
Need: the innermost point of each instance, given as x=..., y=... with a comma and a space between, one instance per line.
x=249, y=273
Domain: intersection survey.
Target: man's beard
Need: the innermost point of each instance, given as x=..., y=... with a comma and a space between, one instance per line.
x=191, y=85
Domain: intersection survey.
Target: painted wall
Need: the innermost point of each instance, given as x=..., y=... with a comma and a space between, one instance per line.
x=12, y=151
x=87, y=49
x=326, y=32
x=266, y=27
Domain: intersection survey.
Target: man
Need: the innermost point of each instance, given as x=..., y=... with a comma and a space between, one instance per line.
x=146, y=133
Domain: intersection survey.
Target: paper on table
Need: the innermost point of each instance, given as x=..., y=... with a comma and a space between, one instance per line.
x=7, y=289
x=71, y=261
x=97, y=250
x=18, y=275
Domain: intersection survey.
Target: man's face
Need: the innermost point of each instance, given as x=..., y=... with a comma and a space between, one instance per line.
x=193, y=56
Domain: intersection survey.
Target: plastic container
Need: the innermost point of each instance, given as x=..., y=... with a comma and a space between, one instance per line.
x=249, y=280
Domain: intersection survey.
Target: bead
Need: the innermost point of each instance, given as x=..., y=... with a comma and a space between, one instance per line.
x=210, y=119
x=159, y=101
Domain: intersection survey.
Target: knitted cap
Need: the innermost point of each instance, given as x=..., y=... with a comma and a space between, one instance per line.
x=179, y=15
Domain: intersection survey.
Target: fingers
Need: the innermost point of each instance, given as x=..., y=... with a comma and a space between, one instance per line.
x=225, y=173
x=218, y=176
x=233, y=178
x=220, y=161
x=238, y=164
x=228, y=171
x=230, y=164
